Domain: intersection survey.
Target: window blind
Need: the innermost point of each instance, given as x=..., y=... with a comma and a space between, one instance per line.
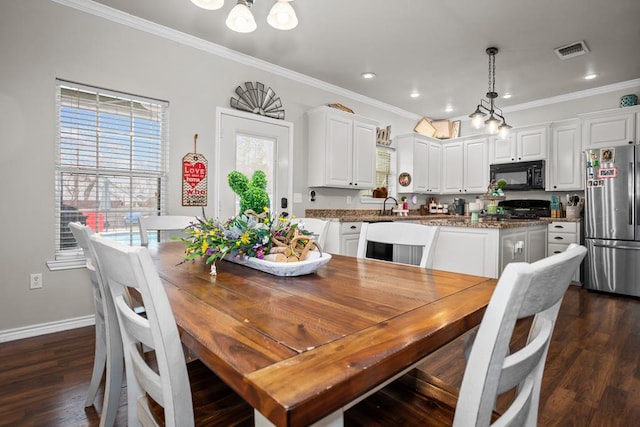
x=111, y=164
x=385, y=170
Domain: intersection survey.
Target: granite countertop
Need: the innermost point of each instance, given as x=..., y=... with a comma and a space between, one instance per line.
x=445, y=220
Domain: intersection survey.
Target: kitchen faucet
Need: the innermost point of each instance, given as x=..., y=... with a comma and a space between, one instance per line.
x=384, y=206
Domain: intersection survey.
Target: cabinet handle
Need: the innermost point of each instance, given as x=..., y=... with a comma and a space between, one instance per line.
x=353, y=227
x=512, y=159
x=555, y=186
x=557, y=252
x=519, y=158
x=558, y=226
x=559, y=238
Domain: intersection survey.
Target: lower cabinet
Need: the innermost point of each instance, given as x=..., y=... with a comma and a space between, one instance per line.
x=342, y=238
x=486, y=251
x=561, y=235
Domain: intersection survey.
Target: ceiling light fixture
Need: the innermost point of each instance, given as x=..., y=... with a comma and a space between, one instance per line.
x=368, y=75
x=477, y=117
x=590, y=76
x=240, y=19
x=414, y=95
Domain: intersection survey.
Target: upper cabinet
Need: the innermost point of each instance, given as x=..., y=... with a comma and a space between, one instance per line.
x=421, y=158
x=610, y=128
x=565, y=165
x=342, y=149
x=522, y=145
x=465, y=167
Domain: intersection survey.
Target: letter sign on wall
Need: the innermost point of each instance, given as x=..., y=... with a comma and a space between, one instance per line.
x=194, y=178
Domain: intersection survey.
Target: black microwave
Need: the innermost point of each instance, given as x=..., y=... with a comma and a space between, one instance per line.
x=520, y=176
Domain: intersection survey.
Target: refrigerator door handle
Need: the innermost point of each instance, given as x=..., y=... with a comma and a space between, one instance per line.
x=630, y=196
x=633, y=248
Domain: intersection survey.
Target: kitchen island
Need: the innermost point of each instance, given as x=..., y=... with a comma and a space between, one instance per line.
x=481, y=248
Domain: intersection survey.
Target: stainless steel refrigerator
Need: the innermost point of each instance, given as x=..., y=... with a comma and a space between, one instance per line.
x=612, y=220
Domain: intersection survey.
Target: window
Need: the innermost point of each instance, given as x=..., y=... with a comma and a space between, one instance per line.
x=110, y=164
x=385, y=171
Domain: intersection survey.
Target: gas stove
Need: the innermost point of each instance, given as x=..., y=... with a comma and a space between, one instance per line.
x=526, y=208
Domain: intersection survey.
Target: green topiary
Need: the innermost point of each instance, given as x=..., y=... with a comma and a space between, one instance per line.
x=253, y=194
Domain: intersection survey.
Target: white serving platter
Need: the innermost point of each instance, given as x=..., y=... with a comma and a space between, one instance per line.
x=283, y=268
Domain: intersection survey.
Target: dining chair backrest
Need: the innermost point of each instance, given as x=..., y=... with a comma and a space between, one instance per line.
x=319, y=228
x=124, y=267
x=523, y=290
x=162, y=223
x=108, y=347
x=400, y=233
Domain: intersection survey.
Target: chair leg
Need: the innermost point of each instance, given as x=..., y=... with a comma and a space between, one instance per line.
x=99, y=363
x=112, y=389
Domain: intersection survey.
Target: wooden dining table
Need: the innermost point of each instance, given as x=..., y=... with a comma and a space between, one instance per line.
x=303, y=349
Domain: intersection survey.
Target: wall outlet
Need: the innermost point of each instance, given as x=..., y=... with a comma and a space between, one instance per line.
x=348, y=200
x=36, y=281
x=297, y=197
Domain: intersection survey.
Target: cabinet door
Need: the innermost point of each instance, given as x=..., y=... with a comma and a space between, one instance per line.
x=513, y=248
x=435, y=167
x=339, y=151
x=349, y=244
x=536, y=243
x=602, y=130
x=364, y=155
x=531, y=144
x=420, y=166
x=565, y=162
x=452, y=167
x=503, y=150
x=476, y=167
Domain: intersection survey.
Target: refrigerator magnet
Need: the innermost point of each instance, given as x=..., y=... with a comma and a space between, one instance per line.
x=607, y=155
x=607, y=172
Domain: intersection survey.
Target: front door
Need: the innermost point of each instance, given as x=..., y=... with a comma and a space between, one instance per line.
x=248, y=142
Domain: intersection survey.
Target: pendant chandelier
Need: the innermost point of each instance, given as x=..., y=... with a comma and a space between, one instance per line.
x=240, y=19
x=485, y=107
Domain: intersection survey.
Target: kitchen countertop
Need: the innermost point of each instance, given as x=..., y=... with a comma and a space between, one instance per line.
x=445, y=220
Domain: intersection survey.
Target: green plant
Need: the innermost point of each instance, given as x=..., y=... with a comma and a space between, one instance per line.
x=253, y=193
x=501, y=183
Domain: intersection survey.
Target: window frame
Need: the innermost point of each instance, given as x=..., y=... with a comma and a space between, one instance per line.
x=149, y=168
x=366, y=196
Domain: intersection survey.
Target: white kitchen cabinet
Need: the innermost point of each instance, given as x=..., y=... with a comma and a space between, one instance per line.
x=342, y=149
x=465, y=167
x=421, y=158
x=522, y=145
x=565, y=165
x=560, y=235
x=610, y=128
x=524, y=244
x=342, y=238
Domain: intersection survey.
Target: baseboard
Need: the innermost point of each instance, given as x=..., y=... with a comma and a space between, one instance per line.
x=46, y=328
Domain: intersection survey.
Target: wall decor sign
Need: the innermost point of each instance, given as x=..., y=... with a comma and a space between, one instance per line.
x=255, y=99
x=607, y=172
x=383, y=136
x=194, y=177
x=404, y=179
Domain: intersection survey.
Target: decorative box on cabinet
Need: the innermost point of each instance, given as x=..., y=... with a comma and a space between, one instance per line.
x=565, y=165
x=465, y=168
x=610, y=128
x=522, y=145
x=341, y=148
x=421, y=158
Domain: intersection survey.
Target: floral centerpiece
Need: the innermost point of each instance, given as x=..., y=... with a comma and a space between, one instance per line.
x=252, y=234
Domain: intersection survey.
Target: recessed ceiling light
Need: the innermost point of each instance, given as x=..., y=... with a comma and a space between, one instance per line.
x=506, y=95
x=590, y=76
x=368, y=75
x=448, y=109
x=414, y=95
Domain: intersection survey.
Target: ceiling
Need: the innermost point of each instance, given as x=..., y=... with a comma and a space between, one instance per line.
x=436, y=48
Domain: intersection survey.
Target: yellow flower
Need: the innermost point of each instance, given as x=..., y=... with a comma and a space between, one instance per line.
x=245, y=238
x=204, y=247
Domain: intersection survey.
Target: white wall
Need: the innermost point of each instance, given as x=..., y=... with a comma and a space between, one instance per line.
x=40, y=41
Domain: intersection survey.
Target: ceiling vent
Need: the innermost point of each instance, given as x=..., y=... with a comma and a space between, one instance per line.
x=571, y=50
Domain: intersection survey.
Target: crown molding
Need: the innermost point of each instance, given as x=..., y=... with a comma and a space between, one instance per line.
x=117, y=16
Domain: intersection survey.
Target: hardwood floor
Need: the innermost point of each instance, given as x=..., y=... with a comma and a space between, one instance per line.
x=592, y=376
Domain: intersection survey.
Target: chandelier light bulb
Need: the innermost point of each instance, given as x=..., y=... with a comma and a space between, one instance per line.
x=503, y=130
x=241, y=19
x=282, y=16
x=492, y=125
x=209, y=4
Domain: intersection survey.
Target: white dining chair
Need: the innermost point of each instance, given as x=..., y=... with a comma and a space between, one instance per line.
x=165, y=380
x=108, y=348
x=165, y=223
x=400, y=233
x=523, y=290
x=319, y=228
